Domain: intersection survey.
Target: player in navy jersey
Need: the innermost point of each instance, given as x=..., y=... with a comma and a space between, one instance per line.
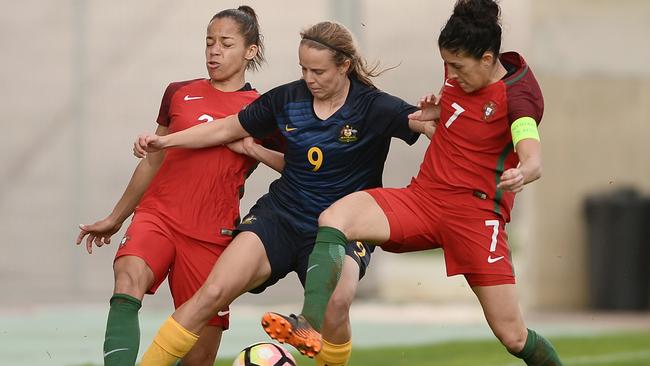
x=186, y=202
x=485, y=149
x=338, y=128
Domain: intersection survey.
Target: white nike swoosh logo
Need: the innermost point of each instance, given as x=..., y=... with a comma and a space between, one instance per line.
x=115, y=350
x=492, y=260
x=312, y=267
x=187, y=97
x=447, y=83
x=223, y=313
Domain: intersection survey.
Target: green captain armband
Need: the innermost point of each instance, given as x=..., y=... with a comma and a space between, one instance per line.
x=524, y=128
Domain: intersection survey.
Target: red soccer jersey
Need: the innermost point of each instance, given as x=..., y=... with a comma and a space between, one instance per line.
x=472, y=145
x=197, y=191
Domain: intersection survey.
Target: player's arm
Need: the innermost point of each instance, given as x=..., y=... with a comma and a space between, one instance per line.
x=426, y=119
x=214, y=133
x=101, y=231
x=271, y=158
x=427, y=128
x=525, y=138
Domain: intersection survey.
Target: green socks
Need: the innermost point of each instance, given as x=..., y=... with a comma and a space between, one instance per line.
x=538, y=351
x=122, y=338
x=323, y=272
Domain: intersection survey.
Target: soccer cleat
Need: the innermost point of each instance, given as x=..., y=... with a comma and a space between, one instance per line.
x=294, y=330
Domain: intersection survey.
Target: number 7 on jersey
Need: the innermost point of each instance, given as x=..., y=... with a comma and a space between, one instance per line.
x=453, y=117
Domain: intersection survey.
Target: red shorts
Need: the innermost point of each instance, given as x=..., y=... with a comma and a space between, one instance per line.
x=166, y=251
x=474, y=241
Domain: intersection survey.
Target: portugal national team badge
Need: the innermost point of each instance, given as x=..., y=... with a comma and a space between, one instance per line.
x=488, y=110
x=348, y=134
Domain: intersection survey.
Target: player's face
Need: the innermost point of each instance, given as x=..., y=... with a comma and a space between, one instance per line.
x=226, y=53
x=470, y=73
x=323, y=77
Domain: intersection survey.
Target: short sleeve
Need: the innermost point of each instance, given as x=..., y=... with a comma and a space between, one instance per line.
x=393, y=113
x=525, y=100
x=275, y=141
x=164, y=117
x=258, y=118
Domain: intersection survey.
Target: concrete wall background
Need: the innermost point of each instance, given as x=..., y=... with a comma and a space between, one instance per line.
x=82, y=78
x=592, y=65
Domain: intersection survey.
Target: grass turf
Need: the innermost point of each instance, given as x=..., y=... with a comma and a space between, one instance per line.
x=626, y=349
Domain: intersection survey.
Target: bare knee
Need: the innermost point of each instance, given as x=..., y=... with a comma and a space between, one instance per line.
x=340, y=214
x=513, y=339
x=331, y=217
x=502, y=312
x=358, y=217
x=132, y=276
x=212, y=296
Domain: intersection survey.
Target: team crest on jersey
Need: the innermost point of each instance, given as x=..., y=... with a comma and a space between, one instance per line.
x=488, y=110
x=249, y=220
x=348, y=134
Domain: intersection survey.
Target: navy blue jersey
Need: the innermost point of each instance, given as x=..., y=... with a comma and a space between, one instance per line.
x=327, y=159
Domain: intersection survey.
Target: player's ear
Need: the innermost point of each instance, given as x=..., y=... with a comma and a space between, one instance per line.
x=251, y=52
x=488, y=58
x=345, y=66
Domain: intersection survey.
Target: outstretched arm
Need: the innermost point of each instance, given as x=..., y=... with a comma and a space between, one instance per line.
x=101, y=231
x=426, y=119
x=207, y=134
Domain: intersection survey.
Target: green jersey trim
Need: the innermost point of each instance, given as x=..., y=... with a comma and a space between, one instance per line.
x=499, y=170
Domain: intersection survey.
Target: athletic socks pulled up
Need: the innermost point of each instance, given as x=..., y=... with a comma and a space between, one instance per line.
x=538, y=351
x=122, y=338
x=171, y=343
x=323, y=272
x=334, y=354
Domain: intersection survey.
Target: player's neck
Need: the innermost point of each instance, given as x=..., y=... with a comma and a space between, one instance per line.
x=328, y=106
x=236, y=82
x=498, y=73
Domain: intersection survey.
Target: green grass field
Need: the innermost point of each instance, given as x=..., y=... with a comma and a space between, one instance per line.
x=627, y=349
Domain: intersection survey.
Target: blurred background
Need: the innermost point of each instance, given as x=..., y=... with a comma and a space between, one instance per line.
x=82, y=78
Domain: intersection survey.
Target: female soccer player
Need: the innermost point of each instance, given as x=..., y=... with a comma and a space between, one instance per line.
x=338, y=128
x=485, y=149
x=186, y=202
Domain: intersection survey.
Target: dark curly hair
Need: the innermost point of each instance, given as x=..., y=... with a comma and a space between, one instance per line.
x=473, y=29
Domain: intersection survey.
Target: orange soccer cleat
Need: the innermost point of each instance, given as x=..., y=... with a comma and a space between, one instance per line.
x=294, y=330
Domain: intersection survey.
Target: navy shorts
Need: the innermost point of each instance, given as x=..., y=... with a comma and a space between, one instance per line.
x=288, y=249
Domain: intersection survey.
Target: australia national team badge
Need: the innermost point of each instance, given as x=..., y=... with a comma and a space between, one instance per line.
x=248, y=220
x=348, y=134
x=488, y=110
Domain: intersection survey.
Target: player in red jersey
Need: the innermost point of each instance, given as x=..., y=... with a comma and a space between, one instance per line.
x=485, y=149
x=186, y=202
x=338, y=128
